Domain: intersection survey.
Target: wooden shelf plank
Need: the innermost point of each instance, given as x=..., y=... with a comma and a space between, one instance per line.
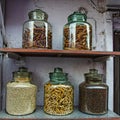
x=58, y=53
x=76, y=115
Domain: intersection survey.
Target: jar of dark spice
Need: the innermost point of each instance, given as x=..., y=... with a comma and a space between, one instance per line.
x=93, y=94
x=21, y=94
x=58, y=94
x=77, y=34
x=37, y=32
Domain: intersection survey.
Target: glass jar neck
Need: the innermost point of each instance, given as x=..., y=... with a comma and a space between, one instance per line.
x=93, y=77
x=38, y=15
x=93, y=81
x=58, y=77
x=22, y=80
x=22, y=75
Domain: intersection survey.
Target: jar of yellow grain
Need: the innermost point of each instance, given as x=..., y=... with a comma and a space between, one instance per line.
x=58, y=94
x=21, y=93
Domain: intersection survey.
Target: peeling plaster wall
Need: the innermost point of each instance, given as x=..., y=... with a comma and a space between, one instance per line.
x=58, y=11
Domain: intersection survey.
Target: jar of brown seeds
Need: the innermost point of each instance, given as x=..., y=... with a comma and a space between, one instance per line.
x=37, y=32
x=77, y=33
x=58, y=94
x=93, y=94
x=21, y=94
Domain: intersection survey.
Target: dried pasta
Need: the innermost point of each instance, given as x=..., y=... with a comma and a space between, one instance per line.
x=77, y=38
x=37, y=39
x=58, y=99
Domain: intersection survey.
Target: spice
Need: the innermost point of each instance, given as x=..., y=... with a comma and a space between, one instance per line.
x=94, y=99
x=58, y=94
x=93, y=94
x=20, y=98
x=21, y=94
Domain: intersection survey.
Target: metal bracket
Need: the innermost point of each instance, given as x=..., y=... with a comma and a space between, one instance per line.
x=101, y=59
x=18, y=60
x=14, y=56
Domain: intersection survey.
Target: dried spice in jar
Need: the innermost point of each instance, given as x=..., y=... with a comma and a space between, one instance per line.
x=21, y=94
x=58, y=94
x=77, y=33
x=37, y=32
x=93, y=94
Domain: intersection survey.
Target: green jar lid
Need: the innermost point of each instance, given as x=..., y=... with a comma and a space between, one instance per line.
x=22, y=74
x=58, y=76
x=93, y=75
x=77, y=16
x=38, y=14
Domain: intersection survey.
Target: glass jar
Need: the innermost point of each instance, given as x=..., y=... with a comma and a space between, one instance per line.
x=93, y=94
x=77, y=33
x=58, y=94
x=21, y=94
x=37, y=32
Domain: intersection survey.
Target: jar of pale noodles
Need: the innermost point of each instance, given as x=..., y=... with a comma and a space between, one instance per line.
x=58, y=94
x=77, y=33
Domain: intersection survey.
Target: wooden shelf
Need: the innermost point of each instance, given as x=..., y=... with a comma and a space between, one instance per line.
x=58, y=53
x=76, y=115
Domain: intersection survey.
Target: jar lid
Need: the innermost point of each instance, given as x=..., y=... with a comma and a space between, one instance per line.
x=77, y=16
x=93, y=75
x=22, y=74
x=58, y=76
x=38, y=14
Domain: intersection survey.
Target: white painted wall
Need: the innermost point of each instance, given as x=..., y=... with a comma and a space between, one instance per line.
x=58, y=11
x=113, y=2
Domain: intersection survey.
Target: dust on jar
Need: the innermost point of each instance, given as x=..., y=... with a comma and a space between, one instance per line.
x=77, y=33
x=37, y=32
x=58, y=94
x=93, y=94
x=21, y=93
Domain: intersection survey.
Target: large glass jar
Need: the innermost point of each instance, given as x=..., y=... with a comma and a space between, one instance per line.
x=77, y=34
x=93, y=94
x=58, y=94
x=21, y=94
x=37, y=32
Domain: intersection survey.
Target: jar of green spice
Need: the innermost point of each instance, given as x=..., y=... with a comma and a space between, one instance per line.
x=93, y=94
x=20, y=93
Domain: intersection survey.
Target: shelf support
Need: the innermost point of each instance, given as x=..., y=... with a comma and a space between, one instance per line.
x=14, y=56
x=102, y=59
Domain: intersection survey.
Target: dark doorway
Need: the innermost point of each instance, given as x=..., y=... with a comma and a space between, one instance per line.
x=116, y=47
x=116, y=41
